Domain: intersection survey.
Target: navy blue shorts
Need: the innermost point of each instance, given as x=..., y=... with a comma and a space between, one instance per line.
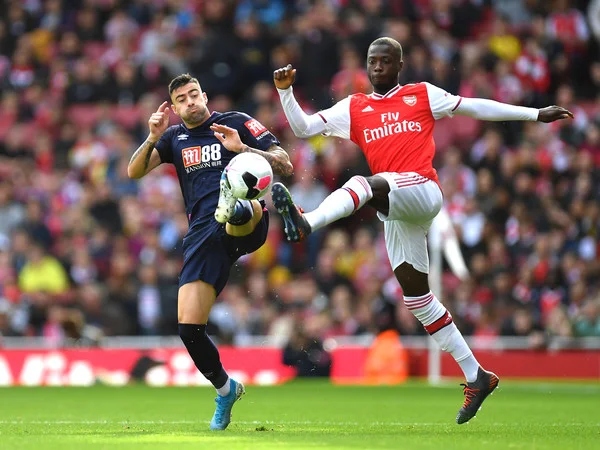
x=209, y=252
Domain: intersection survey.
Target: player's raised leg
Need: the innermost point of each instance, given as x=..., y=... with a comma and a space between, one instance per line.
x=295, y=224
x=194, y=303
x=246, y=215
x=354, y=194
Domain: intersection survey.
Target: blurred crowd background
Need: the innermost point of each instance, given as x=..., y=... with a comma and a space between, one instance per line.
x=85, y=252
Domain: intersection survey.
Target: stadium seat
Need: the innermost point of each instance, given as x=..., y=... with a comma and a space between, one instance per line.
x=7, y=120
x=443, y=134
x=592, y=109
x=84, y=116
x=465, y=129
x=94, y=50
x=126, y=116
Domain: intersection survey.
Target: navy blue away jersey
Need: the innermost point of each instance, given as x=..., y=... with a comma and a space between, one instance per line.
x=200, y=158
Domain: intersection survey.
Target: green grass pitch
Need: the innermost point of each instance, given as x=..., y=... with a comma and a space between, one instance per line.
x=303, y=414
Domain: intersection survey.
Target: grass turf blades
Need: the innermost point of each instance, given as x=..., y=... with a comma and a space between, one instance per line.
x=304, y=414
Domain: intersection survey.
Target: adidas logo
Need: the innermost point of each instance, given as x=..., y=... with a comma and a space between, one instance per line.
x=368, y=109
x=182, y=137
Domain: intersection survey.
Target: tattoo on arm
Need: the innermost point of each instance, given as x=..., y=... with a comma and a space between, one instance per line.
x=147, y=147
x=277, y=157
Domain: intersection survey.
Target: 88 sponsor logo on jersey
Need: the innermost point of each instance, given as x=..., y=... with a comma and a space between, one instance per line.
x=201, y=157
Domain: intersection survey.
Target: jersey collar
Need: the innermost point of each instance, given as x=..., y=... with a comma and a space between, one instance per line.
x=388, y=94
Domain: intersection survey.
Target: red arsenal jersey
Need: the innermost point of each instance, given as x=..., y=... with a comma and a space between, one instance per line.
x=395, y=130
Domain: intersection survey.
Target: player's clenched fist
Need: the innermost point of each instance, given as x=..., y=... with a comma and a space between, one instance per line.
x=284, y=77
x=159, y=121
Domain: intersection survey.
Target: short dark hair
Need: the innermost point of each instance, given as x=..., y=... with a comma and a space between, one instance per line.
x=390, y=42
x=181, y=80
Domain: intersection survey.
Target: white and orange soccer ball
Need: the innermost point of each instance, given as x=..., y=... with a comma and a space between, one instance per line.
x=250, y=176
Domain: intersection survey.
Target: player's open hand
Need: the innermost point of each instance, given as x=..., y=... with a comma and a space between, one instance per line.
x=159, y=121
x=284, y=77
x=229, y=137
x=552, y=113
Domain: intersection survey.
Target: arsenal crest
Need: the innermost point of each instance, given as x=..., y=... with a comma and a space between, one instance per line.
x=410, y=100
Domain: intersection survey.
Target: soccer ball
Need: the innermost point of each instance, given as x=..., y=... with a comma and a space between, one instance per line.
x=250, y=176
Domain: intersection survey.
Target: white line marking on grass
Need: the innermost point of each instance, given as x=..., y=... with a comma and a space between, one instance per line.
x=175, y=422
x=258, y=422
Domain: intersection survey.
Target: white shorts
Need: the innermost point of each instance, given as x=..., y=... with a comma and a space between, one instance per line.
x=414, y=203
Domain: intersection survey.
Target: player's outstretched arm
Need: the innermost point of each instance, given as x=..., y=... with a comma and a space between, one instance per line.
x=491, y=110
x=146, y=157
x=277, y=157
x=302, y=124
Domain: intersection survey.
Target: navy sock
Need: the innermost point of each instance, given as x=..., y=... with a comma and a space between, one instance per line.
x=242, y=213
x=204, y=353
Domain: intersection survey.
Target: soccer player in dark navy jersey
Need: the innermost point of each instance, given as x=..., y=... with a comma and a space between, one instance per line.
x=221, y=227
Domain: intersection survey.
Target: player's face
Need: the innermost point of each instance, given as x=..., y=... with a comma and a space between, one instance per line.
x=189, y=103
x=383, y=68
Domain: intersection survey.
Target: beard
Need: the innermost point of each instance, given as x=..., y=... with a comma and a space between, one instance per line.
x=196, y=116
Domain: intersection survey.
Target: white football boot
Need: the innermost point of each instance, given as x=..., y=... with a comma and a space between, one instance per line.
x=227, y=201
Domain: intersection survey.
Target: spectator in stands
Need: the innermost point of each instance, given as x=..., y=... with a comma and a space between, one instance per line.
x=588, y=324
x=6, y=329
x=42, y=273
x=62, y=141
x=305, y=351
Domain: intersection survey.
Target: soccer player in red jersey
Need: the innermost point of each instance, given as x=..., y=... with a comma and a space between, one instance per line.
x=393, y=126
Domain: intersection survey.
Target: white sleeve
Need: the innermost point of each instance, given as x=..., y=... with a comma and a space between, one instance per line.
x=442, y=103
x=334, y=121
x=337, y=119
x=301, y=123
x=483, y=109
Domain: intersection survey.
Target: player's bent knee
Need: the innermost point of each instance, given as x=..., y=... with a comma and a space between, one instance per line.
x=360, y=190
x=414, y=283
x=379, y=186
x=256, y=211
